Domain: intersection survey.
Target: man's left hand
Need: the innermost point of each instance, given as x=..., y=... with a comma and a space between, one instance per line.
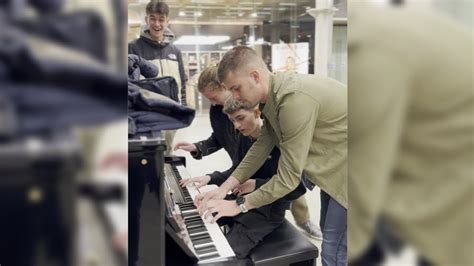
x=222, y=208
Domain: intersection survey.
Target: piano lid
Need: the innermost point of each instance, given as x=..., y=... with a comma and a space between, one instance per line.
x=147, y=141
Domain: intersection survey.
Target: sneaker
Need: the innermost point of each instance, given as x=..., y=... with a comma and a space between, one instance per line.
x=312, y=230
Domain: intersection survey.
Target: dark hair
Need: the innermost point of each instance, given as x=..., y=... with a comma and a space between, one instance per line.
x=157, y=7
x=232, y=105
x=236, y=58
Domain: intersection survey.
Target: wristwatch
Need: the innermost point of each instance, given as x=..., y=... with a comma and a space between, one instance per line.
x=241, y=203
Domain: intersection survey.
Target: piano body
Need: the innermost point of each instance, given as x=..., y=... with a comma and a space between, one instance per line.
x=171, y=230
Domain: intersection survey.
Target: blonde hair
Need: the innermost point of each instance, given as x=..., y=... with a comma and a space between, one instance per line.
x=208, y=80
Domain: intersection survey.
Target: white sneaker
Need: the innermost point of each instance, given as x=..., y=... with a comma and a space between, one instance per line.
x=311, y=230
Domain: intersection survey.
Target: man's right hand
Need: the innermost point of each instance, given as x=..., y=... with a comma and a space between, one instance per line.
x=186, y=146
x=201, y=199
x=198, y=180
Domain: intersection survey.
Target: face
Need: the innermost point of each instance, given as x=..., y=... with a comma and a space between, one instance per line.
x=157, y=24
x=245, y=121
x=217, y=96
x=245, y=87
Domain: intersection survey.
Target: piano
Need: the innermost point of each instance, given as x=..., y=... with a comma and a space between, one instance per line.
x=202, y=241
x=171, y=230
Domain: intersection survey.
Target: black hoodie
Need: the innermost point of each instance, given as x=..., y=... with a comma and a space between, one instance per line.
x=165, y=55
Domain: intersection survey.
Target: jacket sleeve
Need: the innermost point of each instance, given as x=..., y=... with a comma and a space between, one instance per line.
x=297, y=130
x=206, y=147
x=182, y=75
x=217, y=178
x=132, y=49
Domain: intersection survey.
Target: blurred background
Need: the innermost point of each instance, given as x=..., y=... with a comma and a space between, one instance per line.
x=63, y=152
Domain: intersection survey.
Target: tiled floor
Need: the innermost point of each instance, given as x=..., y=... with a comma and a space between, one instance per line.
x=201, y=129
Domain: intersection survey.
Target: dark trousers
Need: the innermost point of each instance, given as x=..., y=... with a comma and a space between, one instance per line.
x=247, y=230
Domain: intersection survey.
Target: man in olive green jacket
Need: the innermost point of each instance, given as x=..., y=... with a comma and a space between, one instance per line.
x=306, y=117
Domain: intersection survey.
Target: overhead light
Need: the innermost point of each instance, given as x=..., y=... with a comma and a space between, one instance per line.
x=287, y=4
x=251, y=3
x=198, y=14
x=201, y=40
x=241, y=14
x=254, y=14
x=182, y=13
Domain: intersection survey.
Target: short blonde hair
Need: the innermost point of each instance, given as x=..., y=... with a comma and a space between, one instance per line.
x=208, y=80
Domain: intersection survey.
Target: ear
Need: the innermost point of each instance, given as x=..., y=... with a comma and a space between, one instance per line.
x=255, y=75
x=258, y=113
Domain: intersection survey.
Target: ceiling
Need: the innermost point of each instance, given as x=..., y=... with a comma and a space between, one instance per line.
x=234, y=12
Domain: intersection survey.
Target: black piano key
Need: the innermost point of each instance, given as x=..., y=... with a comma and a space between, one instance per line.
x=198, y=233
x=209, y=256
x=194, y=225
x=196, y=229
x=205, y=250
x=198, y=242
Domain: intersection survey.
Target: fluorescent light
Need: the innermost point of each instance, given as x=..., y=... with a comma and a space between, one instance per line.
x=198, y=14
x=287, y=4
x=254, y=14
x=182, y=13
x=201, y=40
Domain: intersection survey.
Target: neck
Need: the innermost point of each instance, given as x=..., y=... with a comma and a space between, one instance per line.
x=256, y=133
x=266, y=86
x=158, y=39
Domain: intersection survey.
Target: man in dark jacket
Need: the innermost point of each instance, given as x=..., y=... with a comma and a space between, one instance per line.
x=154, y=44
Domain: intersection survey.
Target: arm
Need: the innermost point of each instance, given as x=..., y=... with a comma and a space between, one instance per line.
x=182, y=76
x=255, y=157
x=206, y=147
x=297, y=130
x=217, y=178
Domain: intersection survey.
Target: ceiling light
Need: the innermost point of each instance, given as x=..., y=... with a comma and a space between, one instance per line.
x=182, y=13
x=287, y=4
x=198, y=14
x=201, y=40
x=254, y=14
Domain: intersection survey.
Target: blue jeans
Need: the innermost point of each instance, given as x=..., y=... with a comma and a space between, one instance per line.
x=333, y=223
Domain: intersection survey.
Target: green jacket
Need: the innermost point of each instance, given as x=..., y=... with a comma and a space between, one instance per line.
x=306, y=117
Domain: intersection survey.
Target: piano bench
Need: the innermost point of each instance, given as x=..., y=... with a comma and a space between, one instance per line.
x=285, y=246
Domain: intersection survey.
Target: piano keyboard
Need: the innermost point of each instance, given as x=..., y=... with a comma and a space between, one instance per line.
x=204, y=239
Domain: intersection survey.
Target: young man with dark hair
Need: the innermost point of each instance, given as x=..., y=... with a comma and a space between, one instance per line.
x=154, y=44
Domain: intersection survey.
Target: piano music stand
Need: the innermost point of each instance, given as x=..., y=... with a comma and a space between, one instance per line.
x=152, y=146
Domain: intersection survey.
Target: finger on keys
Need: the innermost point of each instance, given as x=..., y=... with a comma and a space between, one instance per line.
x=185, y=182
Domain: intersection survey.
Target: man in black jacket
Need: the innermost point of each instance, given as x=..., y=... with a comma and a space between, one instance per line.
x=154, y=44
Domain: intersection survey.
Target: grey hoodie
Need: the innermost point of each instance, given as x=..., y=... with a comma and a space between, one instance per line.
x=165, y=55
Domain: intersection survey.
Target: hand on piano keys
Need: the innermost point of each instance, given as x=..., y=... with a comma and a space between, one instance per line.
x=221, y=208
x=202, y=198
x=198, y=181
